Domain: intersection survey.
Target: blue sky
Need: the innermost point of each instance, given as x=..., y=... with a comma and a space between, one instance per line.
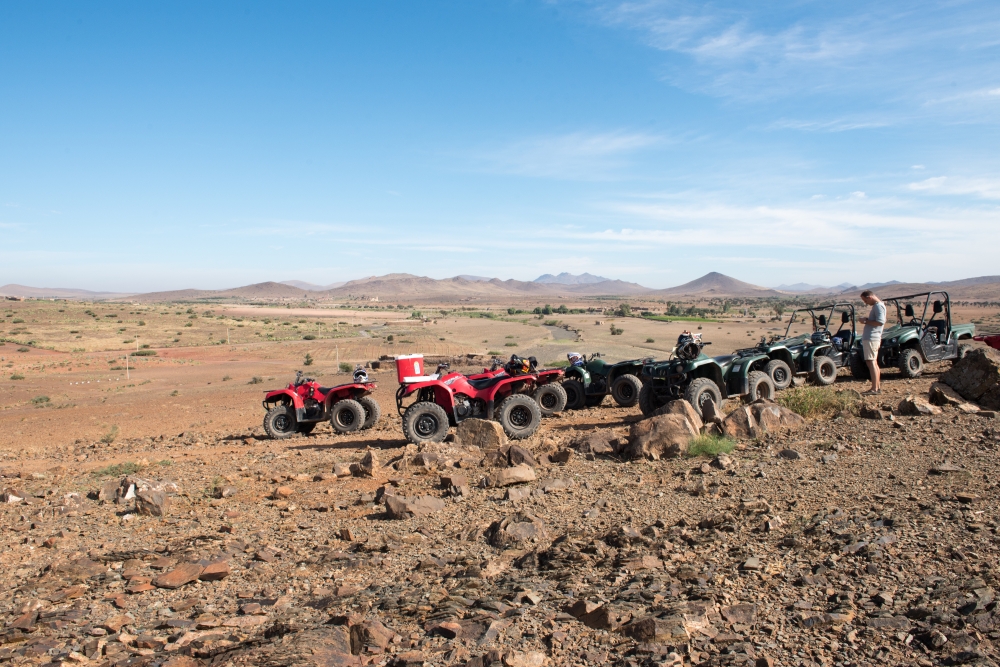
x=150, y=146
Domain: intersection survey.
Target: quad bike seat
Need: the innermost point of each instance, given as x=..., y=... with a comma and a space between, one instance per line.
x=486, y=383
x=724, y=359
x=325, y=390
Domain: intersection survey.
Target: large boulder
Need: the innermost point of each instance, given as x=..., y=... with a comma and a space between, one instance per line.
x=760, y=417
x=481, y=433
x=598, y=442
x=741, y=424
x=977, y=377
x=514, y=475
x=683, y=408
x=662, y=436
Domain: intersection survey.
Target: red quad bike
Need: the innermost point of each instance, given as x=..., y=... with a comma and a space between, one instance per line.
x=991, y=339
x=303, y=404
x=549, y=392
x=445, y=401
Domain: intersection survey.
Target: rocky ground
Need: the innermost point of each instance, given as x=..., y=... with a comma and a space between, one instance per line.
x=846, y=541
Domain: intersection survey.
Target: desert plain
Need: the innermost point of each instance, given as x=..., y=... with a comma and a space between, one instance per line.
x=864, y=535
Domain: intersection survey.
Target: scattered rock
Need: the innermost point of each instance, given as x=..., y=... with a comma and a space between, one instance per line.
x=180, y=575
x=399, y=507
x=917, y=406
x=518, y=474
x=515, y=530
x=481, y=433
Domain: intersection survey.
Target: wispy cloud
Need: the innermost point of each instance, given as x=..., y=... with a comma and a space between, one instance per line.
x=889, y=56
x=987, y=188
x=574, y=156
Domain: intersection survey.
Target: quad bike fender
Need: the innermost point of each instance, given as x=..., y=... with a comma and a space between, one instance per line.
x=739, y=373
x=550, y=375
x=707, y=368
x=807, y=362
x=286, y=396
x=963, y=331
x=784, y=354
x=577, y=373
x=354, y=391
x=624, y=368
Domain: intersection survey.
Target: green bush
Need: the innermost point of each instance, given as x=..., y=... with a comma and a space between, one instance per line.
x=345, y=367
x=309, y=337
x=710, y=445
x=110, y=436
x=615, y=331
x=16, y=376
x=512, y=344
x=144, y=353
x=819, y=402
x=40, y=400
x=650, y=340
x=308, y=361
x=23, y=349
x=256, y=380
x=117, y=470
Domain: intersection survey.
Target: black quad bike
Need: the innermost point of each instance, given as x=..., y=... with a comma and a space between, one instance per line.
x=589, y=381
x=697, y=378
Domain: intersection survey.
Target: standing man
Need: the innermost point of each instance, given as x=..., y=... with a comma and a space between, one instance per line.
x=871, y=338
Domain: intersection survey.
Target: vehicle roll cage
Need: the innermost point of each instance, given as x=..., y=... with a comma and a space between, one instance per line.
x=907, y=310
x=847, y=315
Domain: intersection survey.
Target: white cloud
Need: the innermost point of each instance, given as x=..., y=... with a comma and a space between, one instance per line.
x=987, y=188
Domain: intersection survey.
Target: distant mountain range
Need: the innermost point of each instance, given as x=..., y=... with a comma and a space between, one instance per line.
x=569, y=279
x=408, y=288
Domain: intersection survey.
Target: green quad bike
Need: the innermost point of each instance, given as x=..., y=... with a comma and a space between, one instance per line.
x=911, y=342
x=818, y=354
x=589, y=381
x=697, y=378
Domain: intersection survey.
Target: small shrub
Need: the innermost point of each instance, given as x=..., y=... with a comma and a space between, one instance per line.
x=75, y=331
x=23, y=349
x=118, y=469
x=143, y=353
x=819, y=402
x=494, y=353
x=17, y=320
x=226, y=378
x=175, y=393
x=615, y=331
x=389, y=338
x=16, y=376
x=510, y=344
x=40, y=400
x=308, y=361
x=309, y=337
x=710, y=445
x=345, y=367
x=142, y=323
x=110, y=436
x=558, y=363
x=650, y=340
x=256, y=380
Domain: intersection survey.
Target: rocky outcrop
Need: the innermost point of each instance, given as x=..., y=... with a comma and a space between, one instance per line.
x=977, y=377
x=662, y=436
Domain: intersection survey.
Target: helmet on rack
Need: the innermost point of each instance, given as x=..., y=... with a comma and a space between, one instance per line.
x=688, y=346
x=360, y=375
x=575, y=359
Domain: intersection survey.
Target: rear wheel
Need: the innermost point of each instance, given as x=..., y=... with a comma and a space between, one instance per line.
x=425, y=422
x=519, y=415
x=963, y=351
x=347, y=416
x=859, y=368
x=760, y=387
x=780, y=373
x=911, y=363
x=625, y=390
x=279, y=422
x=702, y=390
x=372, y=411
x=576, y=395
x=825, y=372
x=647, y=400
x=551, y=398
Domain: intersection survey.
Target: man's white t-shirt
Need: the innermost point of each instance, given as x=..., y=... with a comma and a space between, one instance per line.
x=873, y=332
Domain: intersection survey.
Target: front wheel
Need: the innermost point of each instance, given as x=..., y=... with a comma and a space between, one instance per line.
x=625, y=390
x=372, y=411
x=780, y=373
x=760, y=387
x=347, y=416
x=825, y=372
x=702, y=390
x=911, y=363
x=576, y=395
x=279, y=422
x=551, y=398
x=647, y=400
x=425, y=421
x=519, y=415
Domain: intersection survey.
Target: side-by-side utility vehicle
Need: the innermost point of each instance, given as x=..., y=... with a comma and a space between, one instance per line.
x=909, y=341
